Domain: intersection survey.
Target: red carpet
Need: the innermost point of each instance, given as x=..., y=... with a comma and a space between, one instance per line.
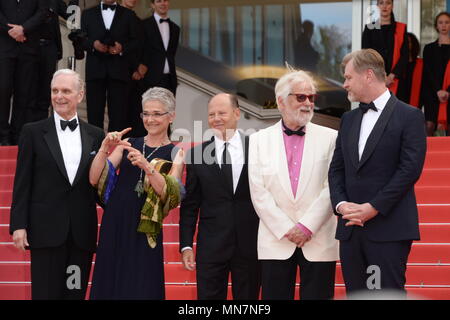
x=428, y=274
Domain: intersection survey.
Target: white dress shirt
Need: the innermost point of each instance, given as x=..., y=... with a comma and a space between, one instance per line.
x=369, y=119
x=164, y=30
x=236, y=152
x=108, y=16
x=70, y=144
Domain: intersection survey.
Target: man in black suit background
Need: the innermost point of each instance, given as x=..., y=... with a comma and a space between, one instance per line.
x=111, y=38
x=53, y=211
x=218, y=195
x=161, y=43
x=50, y=52
x=19, y=51
x=379, y=155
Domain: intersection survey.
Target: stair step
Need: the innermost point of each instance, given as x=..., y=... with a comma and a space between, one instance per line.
x=8, y=153
x=420, y=253
x=175, y=273
x=437, y=159
x=438, y=144
x=7, y=166
x=433, y=194
x=436, y=233
x=434, y=177
x=427, y=214
x=22, y=291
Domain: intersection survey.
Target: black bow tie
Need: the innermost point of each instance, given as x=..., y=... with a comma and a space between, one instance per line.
x=164, y=20
x=290, y=132
x=109, y=6
x=365, y=107
x=72, y=124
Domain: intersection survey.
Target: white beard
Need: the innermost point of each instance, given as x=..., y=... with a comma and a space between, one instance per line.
x=299, y=117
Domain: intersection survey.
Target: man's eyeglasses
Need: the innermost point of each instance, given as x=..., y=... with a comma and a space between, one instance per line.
x=155, y=115
x=302, y=97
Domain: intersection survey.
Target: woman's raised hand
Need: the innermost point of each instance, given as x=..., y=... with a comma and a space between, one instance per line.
x=114, y=139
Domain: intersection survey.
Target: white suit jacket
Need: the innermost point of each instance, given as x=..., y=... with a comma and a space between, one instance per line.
x=274, y=202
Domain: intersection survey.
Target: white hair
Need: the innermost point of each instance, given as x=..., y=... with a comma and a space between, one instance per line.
x=284, y=85
x=70, y=72
x=162, y=95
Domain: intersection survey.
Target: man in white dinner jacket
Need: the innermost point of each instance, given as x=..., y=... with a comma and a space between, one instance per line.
x=288, y=176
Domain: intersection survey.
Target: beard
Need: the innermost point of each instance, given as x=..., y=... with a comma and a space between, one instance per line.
x=299, y=117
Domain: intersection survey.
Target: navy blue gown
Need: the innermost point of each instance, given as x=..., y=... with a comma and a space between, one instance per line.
x=125, y=266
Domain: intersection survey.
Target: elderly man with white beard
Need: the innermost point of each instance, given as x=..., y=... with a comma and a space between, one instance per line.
x=288, y=167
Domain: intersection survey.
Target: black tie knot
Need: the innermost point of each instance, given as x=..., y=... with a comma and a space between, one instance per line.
x=109, y=6
x=164, y=20
x=366, y=106
x=72, y=124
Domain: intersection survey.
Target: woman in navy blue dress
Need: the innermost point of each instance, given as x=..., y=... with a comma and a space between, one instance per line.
x=129, y=260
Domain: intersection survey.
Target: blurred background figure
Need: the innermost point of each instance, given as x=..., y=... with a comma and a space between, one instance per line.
x=160, y=46
x=50, y=52
x=306, y=57
x=111, y=37
x=436, y=76
x=391, y=42
x=409, y=89
x=19, y=52
x=137, y=72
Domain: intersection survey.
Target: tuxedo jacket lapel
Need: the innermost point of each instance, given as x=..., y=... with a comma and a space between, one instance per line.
x=281, y=162
x=244, y=171
x=86, y=147
x=353, y=139
x=100, y=17
x=158, y=33
x=117, y=15
x=307, y=161
x=378, y=130
x=51, y=138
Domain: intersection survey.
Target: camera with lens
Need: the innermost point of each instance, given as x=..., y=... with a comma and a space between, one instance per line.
x=77, y=36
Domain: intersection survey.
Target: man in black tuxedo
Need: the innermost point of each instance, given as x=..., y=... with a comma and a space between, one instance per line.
x=111, y=38
x=218, y=194
x=19, y=50
x=50, y=52
x=160, y=47
x=379, y=155
x=53, y=211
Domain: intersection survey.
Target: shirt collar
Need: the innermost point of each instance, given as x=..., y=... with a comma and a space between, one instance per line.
x=157, y=17
x=235, y=140
x=381, y=101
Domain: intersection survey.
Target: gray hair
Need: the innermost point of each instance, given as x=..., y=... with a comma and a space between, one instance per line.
x=284, y=84
x=162, y=95
x=72, y=73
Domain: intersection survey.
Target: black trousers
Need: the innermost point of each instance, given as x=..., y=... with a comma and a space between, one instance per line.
x=107, y=91
x=212, y=279
x=48, y=59
x=135, y=91
x=16, y=80
x=165, y=82
x=389, y=258
x=60, y=273
x=316, y=278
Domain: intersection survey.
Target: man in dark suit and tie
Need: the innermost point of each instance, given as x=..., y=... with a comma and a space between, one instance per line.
x=111, y=38
x=54, y=206
x=19, y=50
x=50, y=52
x=161, y=42
x=218, y=195
x=379, y=155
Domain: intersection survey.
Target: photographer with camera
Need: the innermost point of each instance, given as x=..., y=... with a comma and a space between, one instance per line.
x=111, y=37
